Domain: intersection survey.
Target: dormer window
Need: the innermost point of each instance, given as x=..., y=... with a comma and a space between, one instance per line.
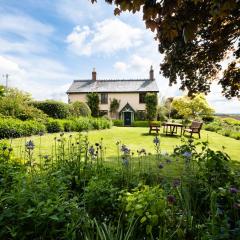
x=104, y=98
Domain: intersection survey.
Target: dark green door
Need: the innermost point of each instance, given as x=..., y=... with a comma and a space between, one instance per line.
x=127, y=118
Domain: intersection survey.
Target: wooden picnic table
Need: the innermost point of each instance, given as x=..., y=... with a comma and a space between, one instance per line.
x=170, y=128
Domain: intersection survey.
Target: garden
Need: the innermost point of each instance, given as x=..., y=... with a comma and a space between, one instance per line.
x=74, y=176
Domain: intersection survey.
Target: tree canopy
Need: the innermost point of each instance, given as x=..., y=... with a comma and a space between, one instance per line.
x=195, y=107
x=195, y=36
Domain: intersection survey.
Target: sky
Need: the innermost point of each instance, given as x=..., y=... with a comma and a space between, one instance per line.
x=46, y=44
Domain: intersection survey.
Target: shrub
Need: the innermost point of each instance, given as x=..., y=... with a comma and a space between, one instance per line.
x=80, y=109
x=11, y=128
x=93, y=103
x=117, y=122
x=54, y=125
x=81, y=124
x=231, y=121
x=53, y=109
x=208, y=119
x=144, y=123
x=235, y=135
x=151, y=105
x=140, y=116
x=213, y=127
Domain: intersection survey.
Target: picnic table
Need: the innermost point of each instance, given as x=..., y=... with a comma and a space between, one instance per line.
x=170, y=128
x=154, y=127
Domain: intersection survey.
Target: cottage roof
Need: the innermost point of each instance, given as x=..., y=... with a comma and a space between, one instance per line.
x=130, y=85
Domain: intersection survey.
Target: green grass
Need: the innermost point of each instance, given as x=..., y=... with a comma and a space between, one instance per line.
x=134, y=138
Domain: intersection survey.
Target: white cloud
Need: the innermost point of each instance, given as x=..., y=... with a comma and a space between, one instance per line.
x=20, y=33
x=43, y=78
x=108, y=36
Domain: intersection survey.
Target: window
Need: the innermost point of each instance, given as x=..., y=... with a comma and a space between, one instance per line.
x=104, y=98
x=142, y=97
x=103, y=113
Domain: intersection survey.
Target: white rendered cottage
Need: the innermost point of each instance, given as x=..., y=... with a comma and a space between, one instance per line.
x=130, y=93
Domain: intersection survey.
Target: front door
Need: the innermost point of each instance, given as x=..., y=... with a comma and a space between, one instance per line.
x=127, y=118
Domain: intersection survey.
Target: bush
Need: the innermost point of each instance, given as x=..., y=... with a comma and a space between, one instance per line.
x=93, y=103
x=213, y=127
x=81, y=124
x=140, y=116
x=53, y=109
x=231, y=121
x=12, y=128
x=208, y=119
x=54, y=125
x=117, y=122
x=144, y=123
x=80, y=109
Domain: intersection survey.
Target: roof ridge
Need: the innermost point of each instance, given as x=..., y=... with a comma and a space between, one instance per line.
x=105, y=80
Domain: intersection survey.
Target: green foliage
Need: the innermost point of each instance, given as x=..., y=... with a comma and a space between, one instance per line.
x=192, y=107
x=143, y=123
x=100, y=198
x=148, y=204
x=231, y=121
x=54, y=109
x=114, y=105
x=80, y=109
x=151, y=105
x=190, y=36
x=12, y=128
x=117, y=122
x=16, y=104
x=93, y=103
x=54, y=126
x=140, y=116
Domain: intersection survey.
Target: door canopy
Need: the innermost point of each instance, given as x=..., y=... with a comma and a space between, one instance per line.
x=127, y=108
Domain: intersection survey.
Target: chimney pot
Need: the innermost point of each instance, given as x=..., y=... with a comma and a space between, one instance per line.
x=94, y=74
x=151, y=73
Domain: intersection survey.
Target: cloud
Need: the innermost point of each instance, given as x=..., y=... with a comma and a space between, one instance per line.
x=43, y=78
x=20, y=33
x=108, y=37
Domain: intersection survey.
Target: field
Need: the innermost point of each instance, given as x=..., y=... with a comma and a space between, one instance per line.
x=134, y=138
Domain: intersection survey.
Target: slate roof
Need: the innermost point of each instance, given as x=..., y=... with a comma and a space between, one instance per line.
x=130, y=85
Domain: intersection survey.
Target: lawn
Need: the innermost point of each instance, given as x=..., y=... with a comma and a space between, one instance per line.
x=134, y=138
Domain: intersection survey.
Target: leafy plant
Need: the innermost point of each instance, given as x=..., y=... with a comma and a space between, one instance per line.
x=93, y=103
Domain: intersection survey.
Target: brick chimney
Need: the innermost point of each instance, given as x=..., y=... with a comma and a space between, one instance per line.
x=94, y=75
x=151, y=74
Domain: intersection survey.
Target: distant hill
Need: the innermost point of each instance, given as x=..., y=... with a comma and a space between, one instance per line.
x=232, y=115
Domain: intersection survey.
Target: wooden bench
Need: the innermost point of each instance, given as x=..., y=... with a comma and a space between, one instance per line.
x=194, y=128
x=154, y=127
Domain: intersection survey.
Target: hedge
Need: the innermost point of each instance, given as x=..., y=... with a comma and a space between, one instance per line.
x=12, y=128
x=143, y=123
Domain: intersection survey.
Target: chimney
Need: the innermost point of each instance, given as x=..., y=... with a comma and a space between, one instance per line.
x=151, y=74
x=94, y=75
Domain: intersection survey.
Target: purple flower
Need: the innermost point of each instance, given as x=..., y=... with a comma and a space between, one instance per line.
x=233, y=190
x=156, y=140
x=176, y=182
x=91, y=150
x=125, y=162
x=61, y=134
x=168, y=160
x=41, y=134
x=160, y=166
x=187, y=154
x=30, y=145
x=171, y=199
x=125, y=150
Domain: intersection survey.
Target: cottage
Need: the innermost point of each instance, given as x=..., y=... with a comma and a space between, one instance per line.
x=130, y=93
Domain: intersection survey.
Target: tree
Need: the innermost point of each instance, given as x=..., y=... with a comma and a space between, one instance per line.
x=93, y=103
x=17, y=104
x=151, y=105
x=80, y=109
x=195, y=107
x=195, y=36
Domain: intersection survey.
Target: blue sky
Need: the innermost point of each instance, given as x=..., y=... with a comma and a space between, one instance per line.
x=45, y=44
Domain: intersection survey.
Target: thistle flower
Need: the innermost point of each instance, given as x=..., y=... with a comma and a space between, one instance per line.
x=91, y=150
x=10, y=149
x=30, y=145
x=171, y=199
x=4, y=148
x=61, y=134
x=160, y=166
x=40, y=134
x=125, y=150
x=168, y=160
x=156, y=140
x=125, y=162
x=176, y=182
x=187, y=154
x=233, y=190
